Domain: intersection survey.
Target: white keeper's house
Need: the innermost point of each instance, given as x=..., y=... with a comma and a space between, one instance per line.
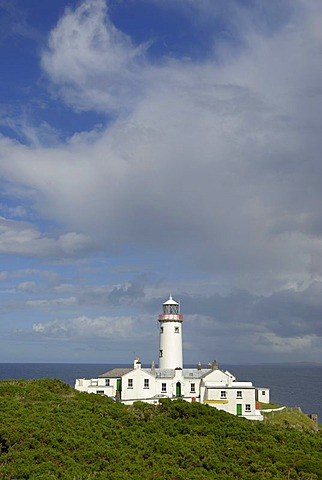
x=210, y=385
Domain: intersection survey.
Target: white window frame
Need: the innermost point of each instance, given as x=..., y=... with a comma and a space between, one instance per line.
x=223, y=394
x=146, y=383
x=163, y=388
x=130, y=383
x=248, y=407
x=192, y=388
x=239, y=394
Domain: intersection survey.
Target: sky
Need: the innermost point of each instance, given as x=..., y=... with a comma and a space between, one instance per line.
x=157, y=147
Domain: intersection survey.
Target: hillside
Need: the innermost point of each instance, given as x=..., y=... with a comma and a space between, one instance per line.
x=50, y=431
x=290, y=417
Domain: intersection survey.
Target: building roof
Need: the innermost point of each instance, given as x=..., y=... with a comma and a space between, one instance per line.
x=187, y=373
x=115, y=373
x=195, y=373
x=170, y=301
x=170, y=372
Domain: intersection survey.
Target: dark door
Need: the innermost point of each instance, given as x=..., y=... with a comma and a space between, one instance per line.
x=178, y=389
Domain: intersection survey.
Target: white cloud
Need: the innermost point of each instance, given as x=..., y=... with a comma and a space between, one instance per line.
x=22, y=126
x=92, y=64
x=217, y=162
x=213, y=165
x=54, y=302
x=22, y=238
x=50, y=276
x=3, y=276
x=271, y=343
x=64, y=288
x=86, y=328
x=30, y=287
x=18, y=211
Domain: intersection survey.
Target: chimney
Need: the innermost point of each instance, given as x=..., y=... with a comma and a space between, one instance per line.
x=215, y=365
x=137, y=363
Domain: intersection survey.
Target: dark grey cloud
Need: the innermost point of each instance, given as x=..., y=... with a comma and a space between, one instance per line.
x=287, y=313
x=291, y=313
x=130, y=294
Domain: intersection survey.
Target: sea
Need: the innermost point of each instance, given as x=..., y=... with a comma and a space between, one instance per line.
x=292, y=385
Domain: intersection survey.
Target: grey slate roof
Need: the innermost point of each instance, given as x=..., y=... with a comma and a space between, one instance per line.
x=115, y=373
x=158, y=372
x=195, y=373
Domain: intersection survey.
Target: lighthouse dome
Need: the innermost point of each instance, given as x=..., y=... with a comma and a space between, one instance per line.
x=171, y=307
x=170, y=301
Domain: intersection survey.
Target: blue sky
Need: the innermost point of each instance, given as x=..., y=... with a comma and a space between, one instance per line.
x=150, y=147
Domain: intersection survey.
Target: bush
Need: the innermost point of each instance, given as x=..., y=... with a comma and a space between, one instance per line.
x=50, y=431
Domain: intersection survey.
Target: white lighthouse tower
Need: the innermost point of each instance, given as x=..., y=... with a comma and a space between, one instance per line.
x=170, y=353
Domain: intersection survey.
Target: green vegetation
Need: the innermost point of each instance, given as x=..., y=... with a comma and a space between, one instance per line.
x=266, y=406
x=49, y=431
x=290, y=417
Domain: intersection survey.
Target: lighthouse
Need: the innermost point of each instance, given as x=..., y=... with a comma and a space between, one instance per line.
x=211, y=386
x=170, y=353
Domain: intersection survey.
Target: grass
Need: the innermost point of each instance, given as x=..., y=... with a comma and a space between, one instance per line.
x=290, y=417
x=268, y=406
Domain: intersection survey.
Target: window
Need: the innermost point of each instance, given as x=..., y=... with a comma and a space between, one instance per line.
x=263, y=392
x=130, y=383
x=161, y=354
x=146, y=383
x=239, y=394
x=176, y=330
x=193, y=388
x=171, y=309
x=163, y=387
x=107, y=382
x=100, y=392
x=223, y=394
x=247, y=407
x=161, y=329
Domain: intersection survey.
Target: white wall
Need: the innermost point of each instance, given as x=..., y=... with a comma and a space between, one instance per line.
x=263, y=395
x=138, y=391
x=95, y=385
x=213, y=397
x=170, y=344
x=207, y=390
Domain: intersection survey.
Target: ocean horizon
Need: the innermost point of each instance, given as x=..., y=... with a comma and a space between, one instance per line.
x=290, y=384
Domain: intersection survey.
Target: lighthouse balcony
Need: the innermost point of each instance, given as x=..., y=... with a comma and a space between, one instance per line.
x=171, y=317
